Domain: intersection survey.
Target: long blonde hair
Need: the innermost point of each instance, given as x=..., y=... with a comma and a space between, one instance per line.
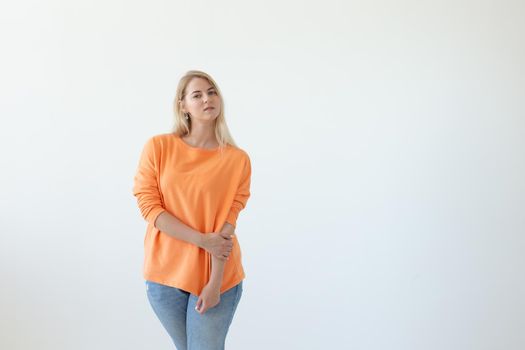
x=182, y=126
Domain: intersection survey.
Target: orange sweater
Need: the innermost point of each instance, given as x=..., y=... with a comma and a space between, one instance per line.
x=203, y=188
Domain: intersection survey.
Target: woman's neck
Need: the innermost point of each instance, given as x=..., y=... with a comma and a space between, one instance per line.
x=201, y=138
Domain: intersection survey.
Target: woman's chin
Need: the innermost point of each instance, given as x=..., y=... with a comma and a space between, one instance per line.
x=207, y=118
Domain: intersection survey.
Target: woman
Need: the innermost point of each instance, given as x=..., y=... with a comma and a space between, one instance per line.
x=190, y=186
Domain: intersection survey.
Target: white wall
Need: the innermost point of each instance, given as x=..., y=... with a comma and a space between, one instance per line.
x=388, y=157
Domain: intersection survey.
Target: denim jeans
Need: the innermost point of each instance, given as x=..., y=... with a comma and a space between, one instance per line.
x=189, y=330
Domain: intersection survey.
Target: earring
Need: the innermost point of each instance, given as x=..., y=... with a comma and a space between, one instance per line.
x=187, y=115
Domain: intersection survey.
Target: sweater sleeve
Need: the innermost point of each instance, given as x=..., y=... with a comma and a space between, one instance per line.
x=145, y=185
x=242, y=194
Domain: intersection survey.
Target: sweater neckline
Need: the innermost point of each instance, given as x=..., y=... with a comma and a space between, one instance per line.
x=193, y=148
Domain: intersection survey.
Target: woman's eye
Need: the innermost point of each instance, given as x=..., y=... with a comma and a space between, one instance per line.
x=196, y=96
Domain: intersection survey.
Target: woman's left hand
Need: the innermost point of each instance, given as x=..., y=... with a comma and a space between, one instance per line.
x=210, y=296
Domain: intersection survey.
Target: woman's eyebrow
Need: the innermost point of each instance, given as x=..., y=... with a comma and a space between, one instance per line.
x=200, y=91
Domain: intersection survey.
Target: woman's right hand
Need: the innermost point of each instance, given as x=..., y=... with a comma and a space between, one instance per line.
x=218, y=244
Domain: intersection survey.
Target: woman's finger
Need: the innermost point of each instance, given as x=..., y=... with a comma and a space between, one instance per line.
x=226, y=235
x=198, y=304
x=203, y=307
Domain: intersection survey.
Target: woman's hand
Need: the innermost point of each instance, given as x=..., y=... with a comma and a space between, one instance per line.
x=218, y=244
x=210, y=296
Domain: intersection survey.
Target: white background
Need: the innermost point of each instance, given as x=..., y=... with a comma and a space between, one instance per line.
x=387, y=141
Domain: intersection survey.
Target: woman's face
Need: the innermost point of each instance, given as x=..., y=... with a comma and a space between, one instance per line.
x=201, y=100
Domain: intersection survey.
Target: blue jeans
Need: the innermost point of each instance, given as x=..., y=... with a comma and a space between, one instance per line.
x=189, y=330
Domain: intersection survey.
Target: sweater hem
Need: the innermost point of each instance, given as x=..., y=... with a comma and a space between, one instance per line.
x=185, y=287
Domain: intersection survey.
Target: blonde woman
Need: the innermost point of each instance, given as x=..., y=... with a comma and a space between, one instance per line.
x=190, y=186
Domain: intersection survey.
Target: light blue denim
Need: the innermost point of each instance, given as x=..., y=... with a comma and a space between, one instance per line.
x=189, y=330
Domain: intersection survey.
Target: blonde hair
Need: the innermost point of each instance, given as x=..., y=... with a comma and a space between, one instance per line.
x=182, y=126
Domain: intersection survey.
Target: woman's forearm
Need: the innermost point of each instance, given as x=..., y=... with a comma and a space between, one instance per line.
x=174, y=227
x=217, y=265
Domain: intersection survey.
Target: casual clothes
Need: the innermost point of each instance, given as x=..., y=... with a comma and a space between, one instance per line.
x=203, y=188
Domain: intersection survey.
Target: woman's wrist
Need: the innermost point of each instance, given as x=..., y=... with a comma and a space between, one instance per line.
x=217, y=272
x=200, y=239
x=214, y=283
